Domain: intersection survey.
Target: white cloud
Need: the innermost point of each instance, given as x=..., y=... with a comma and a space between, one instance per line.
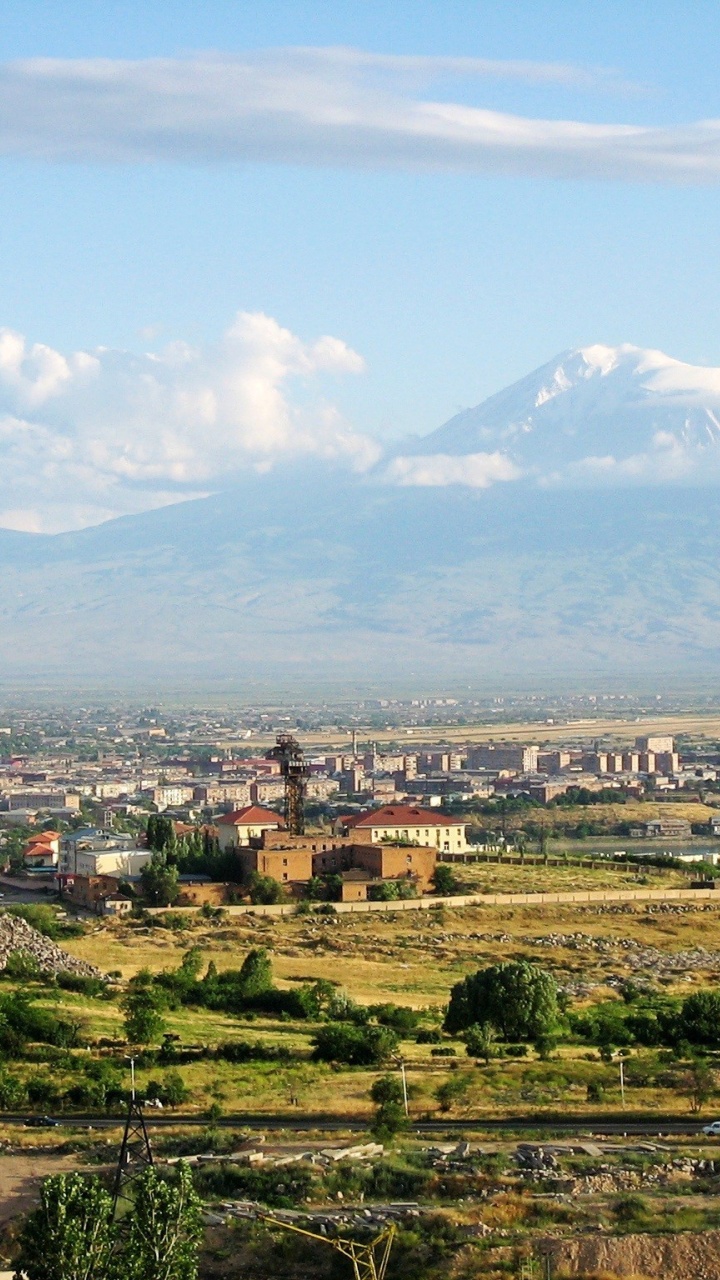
x=327, y=107
x=476, y=470
x=92, y=435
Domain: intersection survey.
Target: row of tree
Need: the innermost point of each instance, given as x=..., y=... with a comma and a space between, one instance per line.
x=72, y=1235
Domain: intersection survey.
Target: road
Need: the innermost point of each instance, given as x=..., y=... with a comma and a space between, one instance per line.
x=615, y=1124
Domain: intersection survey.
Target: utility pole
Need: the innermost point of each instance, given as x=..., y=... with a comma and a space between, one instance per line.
x=622, y=1081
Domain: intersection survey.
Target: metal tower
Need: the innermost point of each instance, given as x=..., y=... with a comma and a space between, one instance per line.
x=295, y=772
x=135, y=1150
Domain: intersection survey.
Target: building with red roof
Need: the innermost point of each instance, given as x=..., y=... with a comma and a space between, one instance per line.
x=406, y=824
x=239, y=828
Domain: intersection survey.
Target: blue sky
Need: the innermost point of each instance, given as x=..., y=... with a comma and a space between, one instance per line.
x=449, y=276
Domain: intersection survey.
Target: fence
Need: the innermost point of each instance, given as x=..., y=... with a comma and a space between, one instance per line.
x=479, y=900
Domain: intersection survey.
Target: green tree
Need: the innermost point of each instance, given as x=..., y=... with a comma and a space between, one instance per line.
x=518, y=998
x=480, y=1040
x=256, y=973
x=166, y=1229
x=700, y=1019
x=698, y=1085
x=265, y=890
x=160, y=830
x=69, y=1236
x=445, y=881
x=143, y=1008
x=159, y=880
x=452, y=1091
x=389, y=1118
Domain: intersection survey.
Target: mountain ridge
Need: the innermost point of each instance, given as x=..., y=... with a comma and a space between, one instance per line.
x=318, y=574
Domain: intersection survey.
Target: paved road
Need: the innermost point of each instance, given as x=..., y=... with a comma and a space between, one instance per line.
x=615, y=1124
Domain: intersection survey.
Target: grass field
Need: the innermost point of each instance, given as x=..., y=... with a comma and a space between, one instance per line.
x=414, y=959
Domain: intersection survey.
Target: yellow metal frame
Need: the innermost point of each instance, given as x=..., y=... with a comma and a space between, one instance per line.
x=369, y=1261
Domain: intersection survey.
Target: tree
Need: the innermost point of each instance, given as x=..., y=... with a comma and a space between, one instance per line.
x=698, y=1085
x=445, y=881
x=256, y=973
x=265, y=890
x=700, y=1019
x=166, y=1229
x=518, y=998
x=69, y=1236
x=159, y=880
x=480, y=1040
x=387, y=1094
x=143, y=1006
x=160, y=831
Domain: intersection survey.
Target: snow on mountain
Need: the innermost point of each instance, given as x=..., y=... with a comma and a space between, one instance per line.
x=593, y=415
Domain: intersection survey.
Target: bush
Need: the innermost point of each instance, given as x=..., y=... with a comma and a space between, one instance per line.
x=428, y=1036
x=244, y=1051
x=22, y=967
x=398, y=1016
x=446, y=1052
x=86, y=986
x=354, y=1046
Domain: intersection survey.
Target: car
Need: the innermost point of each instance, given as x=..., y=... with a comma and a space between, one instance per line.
x=712, y=1130
x=41, y=1122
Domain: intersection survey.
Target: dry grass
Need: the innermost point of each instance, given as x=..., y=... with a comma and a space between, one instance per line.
x=411, y=959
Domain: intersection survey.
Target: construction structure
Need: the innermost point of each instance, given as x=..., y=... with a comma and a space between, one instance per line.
x=295, y=772
x=369, y=1258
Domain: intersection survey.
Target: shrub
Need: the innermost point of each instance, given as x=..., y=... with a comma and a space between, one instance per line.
x=354, y=1046
x=398, y=1016
x=428, y=1036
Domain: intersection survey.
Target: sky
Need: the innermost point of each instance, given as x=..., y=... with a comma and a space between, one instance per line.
x=235, y=234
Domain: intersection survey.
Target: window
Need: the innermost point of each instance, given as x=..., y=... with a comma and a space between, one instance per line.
x=285, y=875
x=409, y=858
x=284, y=862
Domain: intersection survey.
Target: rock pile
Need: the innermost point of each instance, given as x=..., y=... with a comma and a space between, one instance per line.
x=17, y=935
x=331, y=1222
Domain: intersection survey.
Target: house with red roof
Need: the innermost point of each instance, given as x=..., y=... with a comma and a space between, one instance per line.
x=237, y=829
x=405, y=824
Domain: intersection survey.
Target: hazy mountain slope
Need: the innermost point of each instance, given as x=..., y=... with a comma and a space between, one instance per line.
x=346, y=577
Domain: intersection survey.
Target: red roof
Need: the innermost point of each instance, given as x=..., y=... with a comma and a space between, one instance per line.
x=253, y=815
x=44, y=837
x=400, y=815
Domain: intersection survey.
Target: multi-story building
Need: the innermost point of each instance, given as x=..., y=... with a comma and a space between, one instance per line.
x=53, y=799
x=512, y=756
x=239, y=828
x=655, y=743
x=406, y=823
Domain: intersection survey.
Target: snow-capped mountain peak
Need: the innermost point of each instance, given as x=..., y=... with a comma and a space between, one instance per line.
x=594, y=414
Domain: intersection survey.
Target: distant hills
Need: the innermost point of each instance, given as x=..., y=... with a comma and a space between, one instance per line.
x=588, y=548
